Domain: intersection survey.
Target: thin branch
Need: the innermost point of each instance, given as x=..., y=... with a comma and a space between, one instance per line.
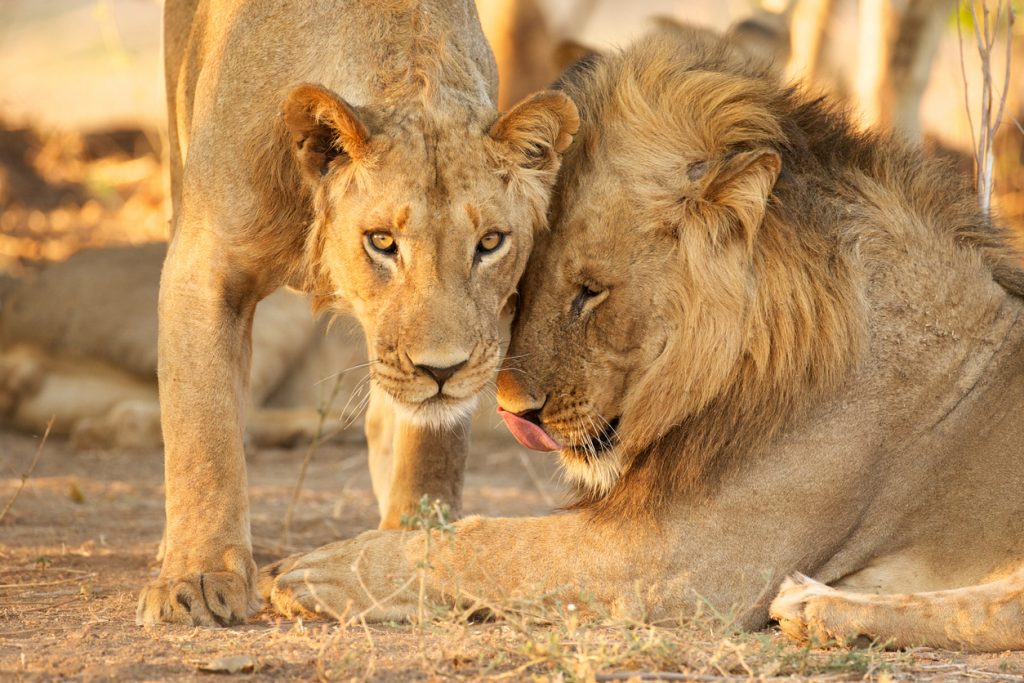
x=324, y=410
x=31, y=468
x=963, y=74
x=1010, y=17
x=993, y=103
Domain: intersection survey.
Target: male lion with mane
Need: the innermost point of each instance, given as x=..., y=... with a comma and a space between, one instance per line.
x=350, y=149
x=763, y=343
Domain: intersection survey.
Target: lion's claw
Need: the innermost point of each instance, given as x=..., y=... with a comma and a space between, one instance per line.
x=207, y=599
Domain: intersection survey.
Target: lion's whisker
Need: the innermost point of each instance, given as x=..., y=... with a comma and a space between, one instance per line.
x=346, y=370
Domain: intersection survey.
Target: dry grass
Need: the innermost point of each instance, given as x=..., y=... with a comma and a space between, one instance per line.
x=79, y=543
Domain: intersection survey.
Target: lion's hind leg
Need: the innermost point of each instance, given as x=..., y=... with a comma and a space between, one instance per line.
x=984, y=617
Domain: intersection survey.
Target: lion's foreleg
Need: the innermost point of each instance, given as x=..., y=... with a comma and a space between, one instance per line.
x=208, y=575
x=380, y=436
x=496, y=564
x=409, y=461
x=984, y=617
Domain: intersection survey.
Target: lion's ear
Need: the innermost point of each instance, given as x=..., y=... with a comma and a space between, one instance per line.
x=744, y=183
x=324, y=130
x=535, y=132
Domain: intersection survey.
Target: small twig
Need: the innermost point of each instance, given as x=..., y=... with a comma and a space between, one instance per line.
x=41, y=584
x=44, y=607
x=31, y=468
x=963, y=74
x=323, y=411
x=537, y=483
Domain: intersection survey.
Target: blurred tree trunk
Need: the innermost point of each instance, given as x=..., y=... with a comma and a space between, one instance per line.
x=807, y=32
x=523, y=44
x=875, y=33
x=530, y=52
x=913, y=48
x=897, y=42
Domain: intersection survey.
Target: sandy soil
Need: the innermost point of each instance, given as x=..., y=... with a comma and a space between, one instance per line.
x=79, y=541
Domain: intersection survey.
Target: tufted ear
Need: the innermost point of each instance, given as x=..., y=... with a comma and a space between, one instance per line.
x=742, y=183
x=537, y=131
x=324, y=130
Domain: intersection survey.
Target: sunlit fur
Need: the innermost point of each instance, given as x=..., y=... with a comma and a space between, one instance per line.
x=744, y=283
x=447, y=415
x=297, y=127
x=814, y=343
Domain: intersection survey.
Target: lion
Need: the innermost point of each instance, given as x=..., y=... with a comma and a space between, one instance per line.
x=762, y=343
x=351, y=150
x=78, y=343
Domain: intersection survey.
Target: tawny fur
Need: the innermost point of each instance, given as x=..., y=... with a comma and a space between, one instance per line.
x=298, y=131
x=812, y=343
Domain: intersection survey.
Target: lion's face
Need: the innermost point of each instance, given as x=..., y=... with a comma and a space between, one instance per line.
x=637, y=308
x=423, y=228
x=593, y=318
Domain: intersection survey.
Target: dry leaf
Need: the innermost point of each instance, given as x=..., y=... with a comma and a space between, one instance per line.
x=233, y=664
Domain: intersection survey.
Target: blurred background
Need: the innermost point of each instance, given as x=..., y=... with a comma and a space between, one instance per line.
x=82, y=104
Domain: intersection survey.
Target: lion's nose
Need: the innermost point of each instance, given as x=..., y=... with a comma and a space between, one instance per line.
x=441, y=375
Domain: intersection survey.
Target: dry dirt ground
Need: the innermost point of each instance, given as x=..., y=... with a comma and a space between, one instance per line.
x=79, y=541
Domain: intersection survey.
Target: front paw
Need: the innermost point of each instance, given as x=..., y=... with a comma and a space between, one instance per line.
x=368, y=575
x=304, y=586
x=798, y=608
x=204, y=599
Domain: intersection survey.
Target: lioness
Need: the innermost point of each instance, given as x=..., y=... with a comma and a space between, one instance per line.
x=387, y=184
x=78, y=344
x=762, y=343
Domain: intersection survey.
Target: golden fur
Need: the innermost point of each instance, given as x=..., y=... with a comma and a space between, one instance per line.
x=301, y=132
x=767, y=344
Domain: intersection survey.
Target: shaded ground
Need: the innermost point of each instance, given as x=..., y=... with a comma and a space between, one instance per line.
x=78, y=544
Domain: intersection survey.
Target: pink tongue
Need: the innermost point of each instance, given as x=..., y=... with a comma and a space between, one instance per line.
x=527, y=433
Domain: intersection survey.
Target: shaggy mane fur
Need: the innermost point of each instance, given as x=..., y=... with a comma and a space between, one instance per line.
x=805, y=315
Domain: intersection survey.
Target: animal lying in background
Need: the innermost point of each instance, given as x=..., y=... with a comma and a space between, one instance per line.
x=763, y=343
x=78, y=343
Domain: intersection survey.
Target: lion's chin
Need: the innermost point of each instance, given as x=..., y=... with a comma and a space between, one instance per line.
x=596, y=475
x=438, y=411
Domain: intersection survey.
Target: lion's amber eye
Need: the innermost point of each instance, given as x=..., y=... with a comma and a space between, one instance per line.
x=383, y=242
x=490, y=242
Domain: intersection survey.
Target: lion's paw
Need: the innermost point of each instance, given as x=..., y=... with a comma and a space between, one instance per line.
x=129, y=424
x=207, y=599
x=21, y=376
x=294, y=588
x=797, y=608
